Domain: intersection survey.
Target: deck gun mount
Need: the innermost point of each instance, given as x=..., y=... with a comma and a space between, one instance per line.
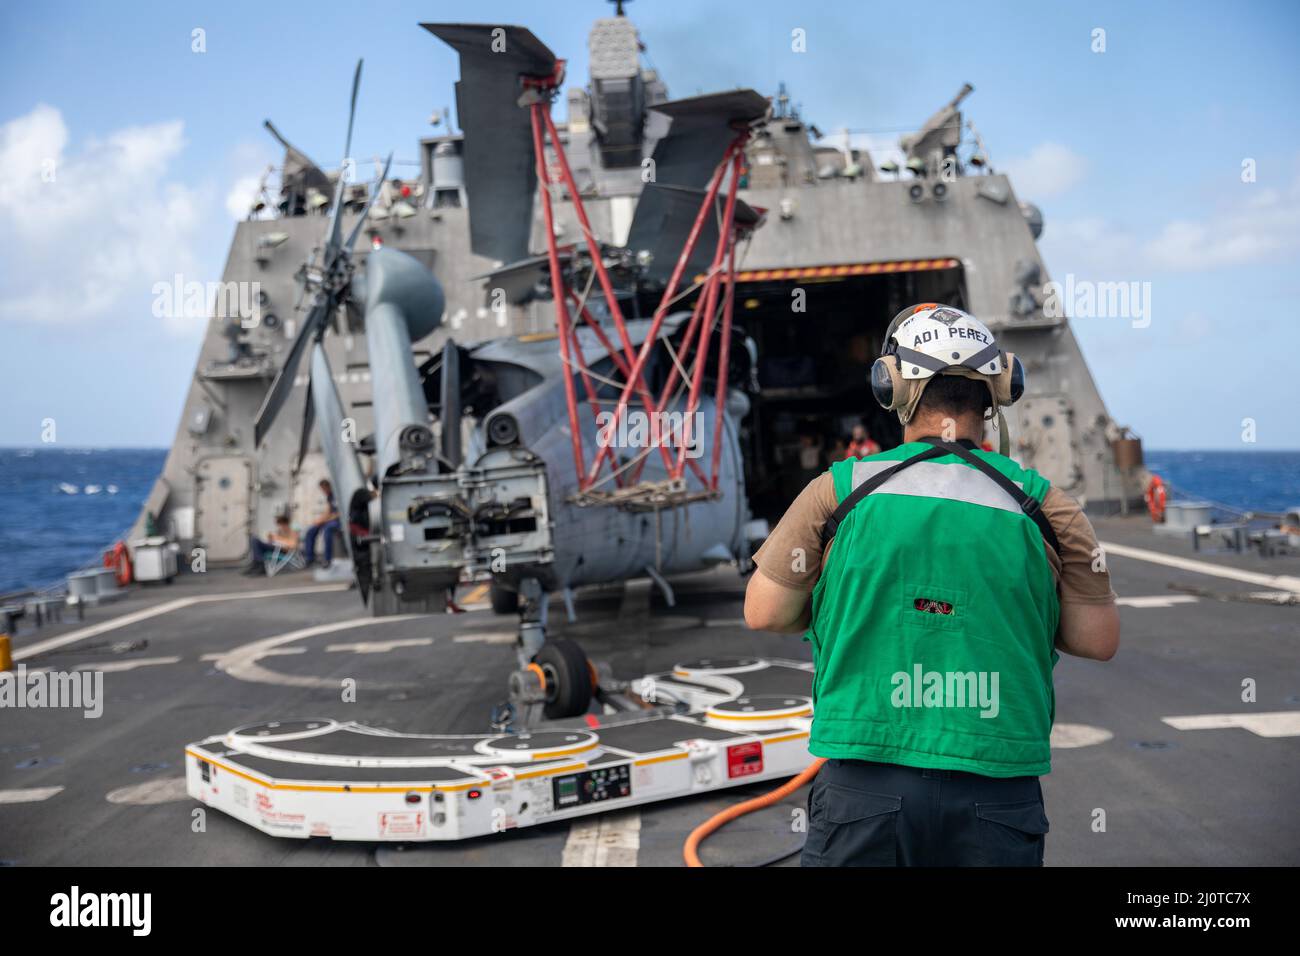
x=931, y=148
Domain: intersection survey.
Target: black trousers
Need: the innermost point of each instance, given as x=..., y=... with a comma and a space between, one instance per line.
x=878, y=814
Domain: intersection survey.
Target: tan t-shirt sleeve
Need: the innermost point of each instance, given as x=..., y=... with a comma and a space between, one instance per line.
x=1081, y=574
x=792, y=554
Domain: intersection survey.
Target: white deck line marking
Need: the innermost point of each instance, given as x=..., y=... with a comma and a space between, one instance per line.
x=150, y=793
x=1070, y=736
x=1280, y=581
x=1157, y=600
x=112, y=667
x=29, y=794
x=1278, y=723
x=278, y=652
x=242, y=662
x=144, y=614
x=379, y=647
x=486, y=637
x=608, y=839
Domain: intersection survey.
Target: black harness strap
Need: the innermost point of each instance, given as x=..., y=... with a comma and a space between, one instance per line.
x=867, y=487
x=1027, y=503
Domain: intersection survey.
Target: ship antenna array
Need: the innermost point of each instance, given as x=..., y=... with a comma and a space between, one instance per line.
x=979, y=145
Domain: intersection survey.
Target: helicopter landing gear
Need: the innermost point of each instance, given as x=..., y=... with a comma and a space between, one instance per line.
x=568, y=678
x=504, y=600
x=554, y=679
x=532, y=620
x=558, y=682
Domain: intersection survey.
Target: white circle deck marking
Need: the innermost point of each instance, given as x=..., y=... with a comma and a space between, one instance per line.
x=242, y=662
x=1069, y=736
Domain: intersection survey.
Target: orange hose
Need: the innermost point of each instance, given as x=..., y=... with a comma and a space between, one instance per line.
x=690, y=852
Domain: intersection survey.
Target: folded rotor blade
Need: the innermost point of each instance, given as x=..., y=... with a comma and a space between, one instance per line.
x=521, y=280
x=702, y=127
x=374, y=194
x=500, y=175
x=281, y=388
x=449, y=409
x=336, y=224
x=352, y=109
x=662, y=222
x=304, y=436
x=350, y=489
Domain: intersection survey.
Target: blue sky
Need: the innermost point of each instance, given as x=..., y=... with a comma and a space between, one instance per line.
x=1135, y=156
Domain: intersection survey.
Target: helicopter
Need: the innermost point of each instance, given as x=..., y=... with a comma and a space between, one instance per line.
x=604, y=450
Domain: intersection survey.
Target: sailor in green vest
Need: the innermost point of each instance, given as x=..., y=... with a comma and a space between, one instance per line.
x=936, y=583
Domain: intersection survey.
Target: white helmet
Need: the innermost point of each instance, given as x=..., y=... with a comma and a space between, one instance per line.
x=930, y=339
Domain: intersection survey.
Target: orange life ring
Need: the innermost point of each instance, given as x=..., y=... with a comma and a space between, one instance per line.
x=119, y=559
x=1156, y=495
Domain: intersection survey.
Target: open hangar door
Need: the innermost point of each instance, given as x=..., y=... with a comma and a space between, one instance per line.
x=815, y=364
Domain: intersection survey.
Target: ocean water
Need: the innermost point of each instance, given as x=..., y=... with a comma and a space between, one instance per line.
x=1261, y=481
x=46, y=531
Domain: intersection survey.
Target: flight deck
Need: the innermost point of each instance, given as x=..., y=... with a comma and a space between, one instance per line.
x=1159, y=740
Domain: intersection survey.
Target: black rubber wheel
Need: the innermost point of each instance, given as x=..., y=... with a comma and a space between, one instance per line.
x=568, y=678
x=504, y=600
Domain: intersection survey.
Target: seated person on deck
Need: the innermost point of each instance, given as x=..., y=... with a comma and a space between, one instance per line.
x=283, y=538
x=326, y=524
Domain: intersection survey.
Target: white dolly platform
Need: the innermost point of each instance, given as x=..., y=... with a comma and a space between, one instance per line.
x=745, y=720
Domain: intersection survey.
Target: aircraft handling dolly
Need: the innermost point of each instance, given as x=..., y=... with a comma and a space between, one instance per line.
x=713, y=724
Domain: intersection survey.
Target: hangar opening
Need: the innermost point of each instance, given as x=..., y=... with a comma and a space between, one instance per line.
x=815, y=364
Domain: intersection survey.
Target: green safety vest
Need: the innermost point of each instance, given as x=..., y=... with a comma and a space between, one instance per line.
x=934, y=620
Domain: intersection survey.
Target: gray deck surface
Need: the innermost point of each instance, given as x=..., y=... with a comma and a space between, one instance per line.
x=1197, y=797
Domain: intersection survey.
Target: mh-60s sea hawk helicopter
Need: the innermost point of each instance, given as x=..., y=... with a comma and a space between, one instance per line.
x=603, y=451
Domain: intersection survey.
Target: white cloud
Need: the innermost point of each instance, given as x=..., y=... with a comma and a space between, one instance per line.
x=1250, y=224
x=250, y=164
x=1049, y=170
x=85, y=235
x=29, y=148
x=241, y=195
x=1093, y=246
x=1199, y=245
x=1256, y=224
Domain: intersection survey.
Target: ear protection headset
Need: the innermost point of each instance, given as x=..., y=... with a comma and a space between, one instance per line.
x=930, y=339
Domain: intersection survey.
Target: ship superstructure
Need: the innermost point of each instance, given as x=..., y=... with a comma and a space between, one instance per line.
x=845, y=244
